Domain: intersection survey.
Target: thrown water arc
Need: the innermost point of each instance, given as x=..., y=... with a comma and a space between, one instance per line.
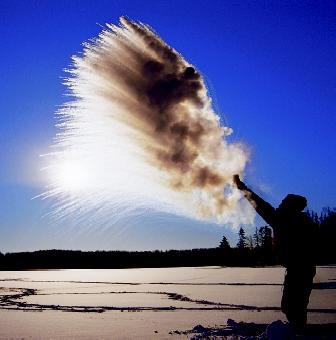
x=141, y=133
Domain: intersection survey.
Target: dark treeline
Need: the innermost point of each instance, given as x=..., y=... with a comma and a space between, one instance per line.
x=61, y=259
x=251, y=250
x=326, y=235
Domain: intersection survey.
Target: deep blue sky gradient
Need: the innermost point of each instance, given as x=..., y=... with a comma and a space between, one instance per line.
x=269, y=65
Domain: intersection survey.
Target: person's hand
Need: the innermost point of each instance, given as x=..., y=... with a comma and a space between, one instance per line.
x=240, y=185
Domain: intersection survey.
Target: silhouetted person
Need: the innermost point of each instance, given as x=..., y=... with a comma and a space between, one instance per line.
x=294, y=241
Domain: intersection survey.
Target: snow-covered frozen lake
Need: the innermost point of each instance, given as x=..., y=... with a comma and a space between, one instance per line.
x=148, y=302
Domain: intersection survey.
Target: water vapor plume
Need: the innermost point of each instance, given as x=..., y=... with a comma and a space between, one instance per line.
x=141, y=133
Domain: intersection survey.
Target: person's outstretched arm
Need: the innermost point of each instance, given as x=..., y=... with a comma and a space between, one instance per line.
x=263, y=208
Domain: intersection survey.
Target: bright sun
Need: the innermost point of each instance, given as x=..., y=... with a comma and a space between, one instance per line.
x=72, y=177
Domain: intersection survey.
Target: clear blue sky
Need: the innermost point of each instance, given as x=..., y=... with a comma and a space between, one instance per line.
x=270, y=66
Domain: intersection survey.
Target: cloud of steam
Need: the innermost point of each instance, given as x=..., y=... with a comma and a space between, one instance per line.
x=141, y=133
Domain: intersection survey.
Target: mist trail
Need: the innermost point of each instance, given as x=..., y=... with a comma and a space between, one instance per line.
x=140, y=133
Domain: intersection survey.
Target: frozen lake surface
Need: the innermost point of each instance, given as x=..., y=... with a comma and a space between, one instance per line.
x=148, y=302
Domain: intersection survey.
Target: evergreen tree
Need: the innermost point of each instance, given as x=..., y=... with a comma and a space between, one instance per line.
x=224, y=244
x=250, y=242
x=256, y=238
x=265, y=238
x=241, y=239
x=261, y=236
x=268, y=241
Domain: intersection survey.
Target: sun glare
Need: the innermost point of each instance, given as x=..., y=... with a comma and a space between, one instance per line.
x=72, y=177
